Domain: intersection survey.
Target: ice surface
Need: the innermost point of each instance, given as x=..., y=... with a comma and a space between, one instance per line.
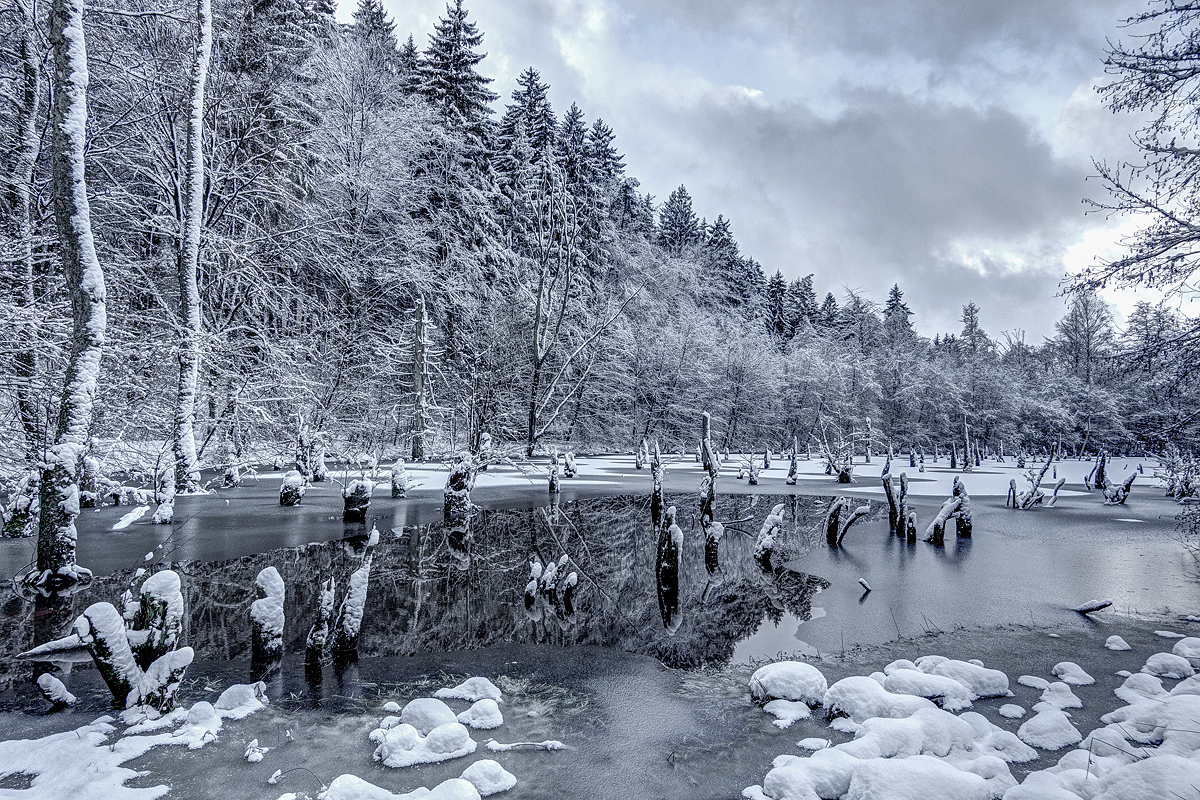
x=789, y=680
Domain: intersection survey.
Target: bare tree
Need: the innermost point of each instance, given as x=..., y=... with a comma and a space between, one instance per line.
x=56, y=567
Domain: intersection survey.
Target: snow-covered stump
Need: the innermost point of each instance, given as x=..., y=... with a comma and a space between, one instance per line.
x=958, y=508
x=657, y=501
x=232, y=477
x=570, y=470
x=266, y=617
x=350, y=614
x=320, y=471
x=552, y=483
x=157, y=618
x=1115, y=495
x=291, y=490
x=894, y=516
x=966, y=460
x=793, y=468
x=89, y=482
x=709, y=458
x=1034, y=496
x=457, y=492
x=854, y=516
x=767, y=458
x=641, y=456
x=21, y=516
x=318, y=634
x=765, y=544
x=670, y=555
x=54, y=692
x=912, y=458
x=833, y=518
x=400, y=481
x=908, y=518
x=752, y=480
x=356, y=499
x=102, y=630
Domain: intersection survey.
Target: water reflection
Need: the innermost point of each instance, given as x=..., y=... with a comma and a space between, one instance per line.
x=465, y=584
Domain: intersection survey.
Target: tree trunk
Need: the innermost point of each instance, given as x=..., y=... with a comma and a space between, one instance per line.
x=25, y=366
x=420, y=368
x=56, y=566
x=187, y=470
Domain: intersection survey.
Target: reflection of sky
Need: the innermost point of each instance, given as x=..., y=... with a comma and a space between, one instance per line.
x=942, y=145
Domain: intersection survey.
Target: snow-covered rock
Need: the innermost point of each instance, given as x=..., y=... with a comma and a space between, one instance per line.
x=1188, y=648
x=1059, y=695
x=489, y=778
x=1116, y=643
x=980, y=681
x=403, y=746
x=483, y=715
x=352, y=787
x=1049, y=729
x=471, y=689
x=861, y=698
x=426, y=713
x=1071, y=673
x=952, y=694
x=1168, y=665
x=789, y=680
x=1011, y=711
x=1141, y=688
x=53, y=690
x=241, y=700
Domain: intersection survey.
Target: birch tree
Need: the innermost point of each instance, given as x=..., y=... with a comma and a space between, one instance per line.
x=187, y=470
x=56, y=567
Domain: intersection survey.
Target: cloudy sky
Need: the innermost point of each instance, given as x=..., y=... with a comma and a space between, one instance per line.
x=941, y=144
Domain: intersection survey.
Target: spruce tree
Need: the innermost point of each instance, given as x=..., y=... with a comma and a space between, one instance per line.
x=896, y=324
x=530, y=108
x=801, y=305
x=777, y=314
x=408, y=66
x=449, y=79
x=604, y=164
x=828, y=315
x=678, y=227
x=571, y=150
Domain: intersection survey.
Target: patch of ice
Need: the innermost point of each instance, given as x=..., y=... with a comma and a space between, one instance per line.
x=1116, y=643
x=789, y=680
x=489, y=778
x=787, y=712
x=471, y=689
x=1071, y=673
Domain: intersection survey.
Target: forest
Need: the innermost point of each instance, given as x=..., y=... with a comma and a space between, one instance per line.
x=309, y=229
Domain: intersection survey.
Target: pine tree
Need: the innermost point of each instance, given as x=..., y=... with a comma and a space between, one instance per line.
x=827, y=317
x=778, y=325
x=449, y=79
x=801, y=305
x=974, y=341
x=408, y=65
x=678, y=228
x=372, y=27
x=530, y=108
x=604, y=164
x=571, y=150
x=896, y=313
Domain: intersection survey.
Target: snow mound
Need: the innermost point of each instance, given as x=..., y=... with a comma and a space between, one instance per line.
x=471, y=689
x=813, y=743
x=482, y=716
x=489, y=778
x=952, y=694
x=1049, y=729
x=1168, y=665
x=787, y=712
x=1141, y=688
x=1071, y=673
x=1011, y=711
x=392, y=707
x=54, y=690
x=241, y=700
x=1116, y=643
x=1060, y=696
x=1187, y=686
x=425, y=714
x=352, y=787
x=980, y=681
x=789, y=680
x=1188, y=648
x=403, y=746
x=1169, y=634
x=861, y=698
x=1034, y=682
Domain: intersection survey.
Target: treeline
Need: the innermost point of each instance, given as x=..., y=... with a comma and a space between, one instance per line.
x=390, y=255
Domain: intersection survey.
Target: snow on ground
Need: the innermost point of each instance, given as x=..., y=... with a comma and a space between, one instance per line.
x=86, y=763
x=990, y=479
x=908, y=748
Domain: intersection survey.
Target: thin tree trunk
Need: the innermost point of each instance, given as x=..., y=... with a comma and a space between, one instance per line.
x=26, y=361
x=420, y=414
x=187, y=470
x=56, y=566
